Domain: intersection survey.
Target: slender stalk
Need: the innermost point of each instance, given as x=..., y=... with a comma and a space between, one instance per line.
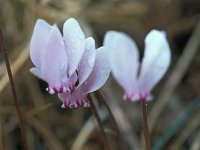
x=19, y=114
x=103, y=101
x=145, y=124
x=95, y=112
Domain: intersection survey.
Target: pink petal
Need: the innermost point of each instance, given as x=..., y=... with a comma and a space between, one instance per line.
x=41, y=34
x=155, y=63
x=87, y=62
x=74, y=100
x=72, y=82
x=100, y=72
x=74, y=40
x=54, y=62
x=36, y=72
x=124, y=61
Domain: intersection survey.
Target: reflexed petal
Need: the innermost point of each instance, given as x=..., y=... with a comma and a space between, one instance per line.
x=74, y=100
x=74, y=40
x=155, y=63
x=36, y=72
x=54, y=62
x=123, y=60
x=87, y=62
x=41, y=34
x=100, y=72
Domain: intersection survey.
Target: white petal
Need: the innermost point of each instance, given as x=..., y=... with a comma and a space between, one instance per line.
x=74, y=40
x=100, y=72
x=87, y=62
x=41, y=34
x=155, y=63
x=123, y=60
x=54, y=61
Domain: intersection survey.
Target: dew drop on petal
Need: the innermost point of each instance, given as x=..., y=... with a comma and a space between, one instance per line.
x=62, y=66
x=64, y=78
x=90, y=62
x=81, y=36
x=88, y=46
x=73, y=40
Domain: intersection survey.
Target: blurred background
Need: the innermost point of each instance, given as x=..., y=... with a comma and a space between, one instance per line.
x=174, y=114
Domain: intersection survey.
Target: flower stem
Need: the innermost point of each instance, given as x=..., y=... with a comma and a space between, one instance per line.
x=103, y=101
x=95, y=112
x=19, y=114
x=145, y=124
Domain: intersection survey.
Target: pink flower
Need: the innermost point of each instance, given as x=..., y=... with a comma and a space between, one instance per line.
x=70, y=64
x=138, y=79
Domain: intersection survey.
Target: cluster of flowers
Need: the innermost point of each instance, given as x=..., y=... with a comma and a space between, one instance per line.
x=73, y=67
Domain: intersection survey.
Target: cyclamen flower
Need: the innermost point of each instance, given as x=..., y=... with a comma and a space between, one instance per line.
x=70, y=64
x=138, y=79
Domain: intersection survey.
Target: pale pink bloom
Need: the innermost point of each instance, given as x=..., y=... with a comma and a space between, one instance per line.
x=70, y=64
x=138, y=79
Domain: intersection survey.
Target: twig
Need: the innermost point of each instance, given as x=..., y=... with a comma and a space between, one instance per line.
x=15, y=66
x=103, y=101
x=19, y=114
x=104, y=136
x=145, y=125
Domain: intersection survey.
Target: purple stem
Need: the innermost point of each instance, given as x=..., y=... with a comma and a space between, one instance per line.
x=145, y=124
x=103, y=101
x=95, y=112
x=19, y=114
